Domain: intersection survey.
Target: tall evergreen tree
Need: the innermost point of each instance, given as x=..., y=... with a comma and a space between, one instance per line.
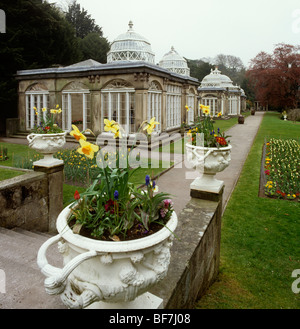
x=37, y=35
x=81, y=21
x=95, y=47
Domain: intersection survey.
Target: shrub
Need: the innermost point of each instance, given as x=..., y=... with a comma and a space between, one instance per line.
x=294, y=115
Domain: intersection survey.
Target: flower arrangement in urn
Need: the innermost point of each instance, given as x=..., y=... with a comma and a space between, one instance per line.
x=112, y=208
x=115, y=239
x=48, y=121
x=204, y=125
x=47, y=137
x=208, y=151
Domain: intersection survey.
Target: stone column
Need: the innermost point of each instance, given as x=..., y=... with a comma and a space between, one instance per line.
x=95, y=112
x=140, y=107
x=55, y=192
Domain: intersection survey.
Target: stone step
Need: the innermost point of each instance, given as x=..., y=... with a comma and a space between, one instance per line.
x=34, y=234
x=24, y=282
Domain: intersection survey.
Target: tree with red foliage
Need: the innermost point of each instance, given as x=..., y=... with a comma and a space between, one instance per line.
x=276, y=77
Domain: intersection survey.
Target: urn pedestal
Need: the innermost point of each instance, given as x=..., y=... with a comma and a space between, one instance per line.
x=208, y=161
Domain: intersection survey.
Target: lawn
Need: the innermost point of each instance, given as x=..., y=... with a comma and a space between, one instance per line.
x=9, y=173
x=260, y=238
x=16, y=152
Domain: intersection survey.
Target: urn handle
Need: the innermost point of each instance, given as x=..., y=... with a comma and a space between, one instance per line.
x=56, y=277
x=199, y=157
x=31, y=138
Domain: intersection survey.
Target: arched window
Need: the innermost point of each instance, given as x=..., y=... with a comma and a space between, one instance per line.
x=37, y=96
x=233, y=105
x=173, y=107
x=212, y=102
x=154, y=103
x=118, y=104
x=76, y=106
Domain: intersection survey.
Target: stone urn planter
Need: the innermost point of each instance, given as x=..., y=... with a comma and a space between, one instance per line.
x=252, y=112
x=47, y=144
x=106, y=274
x=241, y=119
x=208, y=161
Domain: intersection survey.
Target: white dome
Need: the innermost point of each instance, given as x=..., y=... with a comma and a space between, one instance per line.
x=131, y=46
x=216, y=80
x=173, y=62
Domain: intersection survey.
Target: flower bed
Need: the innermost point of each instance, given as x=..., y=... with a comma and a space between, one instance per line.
x=3, y=154
x=282, y=169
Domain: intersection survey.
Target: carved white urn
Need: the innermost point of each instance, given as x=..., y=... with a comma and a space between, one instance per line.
x=47, y=144
x=208, y=161
x=107, y=274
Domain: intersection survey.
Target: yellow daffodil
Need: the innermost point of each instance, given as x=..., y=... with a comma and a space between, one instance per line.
x=205, y=109
x=44, y=109
x=87, y=149
x=77, y=134
x=151, y=125
x=219, y=114
x=118, y=134
x=113, y=127
x=187, y=108
x=110, y=125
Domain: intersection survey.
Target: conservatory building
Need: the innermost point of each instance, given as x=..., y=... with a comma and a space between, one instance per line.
x=129, y=89
x=218, y=92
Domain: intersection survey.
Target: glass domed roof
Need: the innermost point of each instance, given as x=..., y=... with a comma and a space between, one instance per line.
x=216, y=80
x=173, y=62
x=130, y=46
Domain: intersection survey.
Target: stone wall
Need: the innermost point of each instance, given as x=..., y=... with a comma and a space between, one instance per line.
x=195, y=254
x=12, y=126
x=32, y=201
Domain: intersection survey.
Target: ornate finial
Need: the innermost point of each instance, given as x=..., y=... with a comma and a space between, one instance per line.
x=130, y=25
x=172, y=48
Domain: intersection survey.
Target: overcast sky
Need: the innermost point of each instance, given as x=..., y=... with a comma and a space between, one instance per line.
x=198, y=28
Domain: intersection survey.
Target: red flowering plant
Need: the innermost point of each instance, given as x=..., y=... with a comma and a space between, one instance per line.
x=204, y=125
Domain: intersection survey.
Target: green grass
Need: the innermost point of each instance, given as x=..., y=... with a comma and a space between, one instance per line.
x=16, y=151
x=9, y=173
x=260, y=238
